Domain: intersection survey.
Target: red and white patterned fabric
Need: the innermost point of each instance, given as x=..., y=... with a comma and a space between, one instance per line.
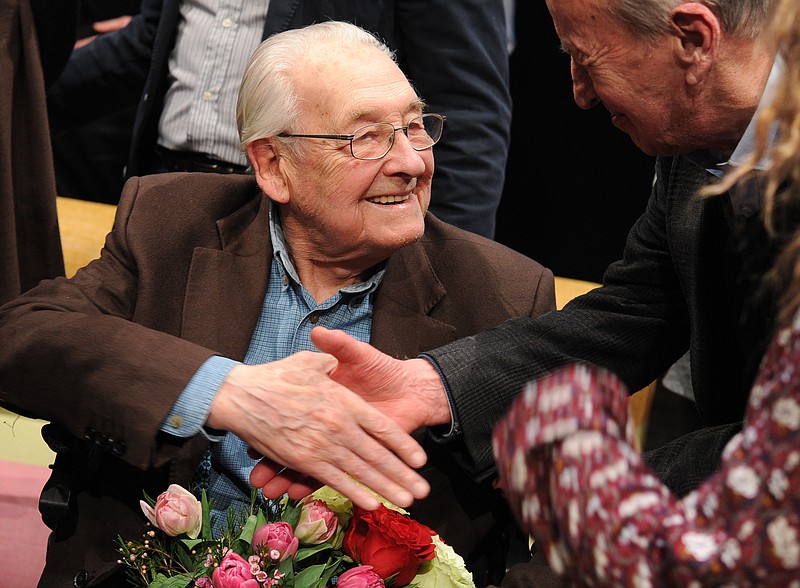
x=567, y=462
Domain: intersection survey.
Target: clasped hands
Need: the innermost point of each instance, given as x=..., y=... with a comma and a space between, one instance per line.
x=341, y=418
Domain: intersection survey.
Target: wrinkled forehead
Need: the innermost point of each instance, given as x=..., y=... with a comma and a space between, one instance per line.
x=585, y=27
x=570, y=16
x=355, y=83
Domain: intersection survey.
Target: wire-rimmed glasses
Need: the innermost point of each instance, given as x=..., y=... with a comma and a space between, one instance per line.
x=373, y=141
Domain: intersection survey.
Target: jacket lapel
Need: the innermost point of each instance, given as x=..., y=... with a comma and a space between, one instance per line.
x=226, y=288
x=402, y=325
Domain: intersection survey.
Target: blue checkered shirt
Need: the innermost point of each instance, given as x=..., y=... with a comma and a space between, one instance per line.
x=287, y=316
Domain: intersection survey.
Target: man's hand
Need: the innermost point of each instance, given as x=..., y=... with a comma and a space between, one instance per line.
x=292, y=413
x=104, y=26
x=410, y=391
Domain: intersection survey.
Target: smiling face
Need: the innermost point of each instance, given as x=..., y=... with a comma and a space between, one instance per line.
x=336, y=209
x=640, y=83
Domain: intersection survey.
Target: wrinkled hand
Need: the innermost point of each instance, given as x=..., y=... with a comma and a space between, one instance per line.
x=292, y=413
x=410, y=391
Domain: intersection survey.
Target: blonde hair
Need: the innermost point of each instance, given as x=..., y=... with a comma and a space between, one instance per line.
x=781, y=181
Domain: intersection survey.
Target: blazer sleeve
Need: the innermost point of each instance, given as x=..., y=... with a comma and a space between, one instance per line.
x=73, y=352
x=455, y=55
x=634, y=325
x=107, y=75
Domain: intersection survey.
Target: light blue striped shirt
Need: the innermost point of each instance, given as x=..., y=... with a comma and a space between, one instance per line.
x=213, y=45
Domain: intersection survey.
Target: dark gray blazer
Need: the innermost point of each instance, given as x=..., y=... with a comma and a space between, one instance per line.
x=687, y=280
x=183, y=276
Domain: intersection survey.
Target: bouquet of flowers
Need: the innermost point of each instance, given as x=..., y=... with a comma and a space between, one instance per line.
x=319, y=541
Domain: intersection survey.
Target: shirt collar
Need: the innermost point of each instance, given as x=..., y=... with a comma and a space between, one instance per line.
x=745, y=201
x=747, y=143
x=280, y=250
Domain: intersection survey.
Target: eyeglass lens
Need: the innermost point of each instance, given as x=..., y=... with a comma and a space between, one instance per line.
x=374, y=141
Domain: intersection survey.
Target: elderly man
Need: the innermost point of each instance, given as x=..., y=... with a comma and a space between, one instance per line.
x=684, y=80
x=195, y=319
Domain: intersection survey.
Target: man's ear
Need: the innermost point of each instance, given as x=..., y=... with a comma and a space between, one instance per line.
x=697, y=34
x=268, y=165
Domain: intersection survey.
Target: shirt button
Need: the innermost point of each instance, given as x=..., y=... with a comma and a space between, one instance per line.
x=227, y=23
x=207, y=96
x=285, y=280
x=176, y=421
x=314, y=318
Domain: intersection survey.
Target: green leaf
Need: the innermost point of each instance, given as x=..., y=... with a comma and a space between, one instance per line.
x=148, y=500
x=305, y=552
x=334, y=566
x=310, y=577
x=291, y=512
x=162, y=581
x=183, y=553
x=205, y=528
x=248, y=529
x=261, y=518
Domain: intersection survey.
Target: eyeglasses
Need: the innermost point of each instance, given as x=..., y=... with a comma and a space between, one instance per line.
x=374, y=141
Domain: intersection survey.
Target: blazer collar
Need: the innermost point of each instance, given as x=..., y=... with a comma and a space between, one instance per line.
x=402, y=322
x=226, y=287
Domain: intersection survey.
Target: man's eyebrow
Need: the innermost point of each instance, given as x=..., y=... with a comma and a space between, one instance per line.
x=415, y=105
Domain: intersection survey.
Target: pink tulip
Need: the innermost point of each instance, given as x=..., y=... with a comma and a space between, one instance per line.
x=360, y=577
x=277, y=539
x=234, y=572
x=176, y=511
x=317, y=522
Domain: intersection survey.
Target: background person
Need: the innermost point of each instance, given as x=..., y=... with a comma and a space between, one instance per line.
x=601, y=515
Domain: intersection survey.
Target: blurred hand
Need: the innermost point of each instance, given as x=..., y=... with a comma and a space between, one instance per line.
x=294, y=415
x=105, y=26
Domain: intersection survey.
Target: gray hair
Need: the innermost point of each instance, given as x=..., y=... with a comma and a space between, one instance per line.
x=649, y=19
x=267, y=104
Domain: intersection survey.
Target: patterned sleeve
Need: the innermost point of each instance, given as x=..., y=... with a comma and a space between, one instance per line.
x=567, y=463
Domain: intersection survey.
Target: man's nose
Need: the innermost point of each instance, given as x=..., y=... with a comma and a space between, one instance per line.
x=582, y=87
x=404, y=154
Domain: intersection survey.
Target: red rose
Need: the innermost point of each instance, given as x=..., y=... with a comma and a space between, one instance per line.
x=389, y=541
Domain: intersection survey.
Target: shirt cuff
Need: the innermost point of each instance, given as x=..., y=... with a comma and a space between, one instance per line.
x=190, y=412
x=443, y=433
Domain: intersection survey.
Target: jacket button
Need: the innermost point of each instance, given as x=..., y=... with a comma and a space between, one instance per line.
x=119, y=447
x=81, y=579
